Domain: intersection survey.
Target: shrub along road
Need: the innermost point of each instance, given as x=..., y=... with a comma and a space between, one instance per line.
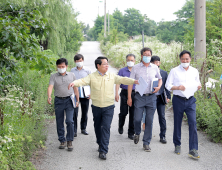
x=123, y=153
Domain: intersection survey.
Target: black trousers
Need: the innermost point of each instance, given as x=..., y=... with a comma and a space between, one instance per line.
x=102, y=117
x=161, y=113
x=84, y=102
x=124, y=108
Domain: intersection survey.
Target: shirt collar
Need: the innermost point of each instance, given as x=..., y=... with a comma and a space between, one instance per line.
x=141, y=64
x=79, y=70
x=61, y=75
x=181, y=67
x=101, y=73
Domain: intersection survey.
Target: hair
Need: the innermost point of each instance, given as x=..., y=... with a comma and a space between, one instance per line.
x=99, y=60
x=145, y=49
x=78, y=57
x=62, y=60
x=185, y=52
x=155, y=58
x=129, y=55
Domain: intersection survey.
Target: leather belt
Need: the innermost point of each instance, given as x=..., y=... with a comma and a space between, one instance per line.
x=184, y=98
x=63, y=97
x=158, y=96
x=147, y=94
x=127, y=90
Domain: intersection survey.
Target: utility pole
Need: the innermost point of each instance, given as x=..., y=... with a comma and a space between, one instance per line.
x=200, y=29
x=143, y=38
x=104, y=18
x=108, y=22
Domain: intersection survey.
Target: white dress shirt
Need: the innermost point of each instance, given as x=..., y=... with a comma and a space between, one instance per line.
x=179, y=76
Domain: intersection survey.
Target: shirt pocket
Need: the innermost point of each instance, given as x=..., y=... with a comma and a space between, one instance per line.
x=109, y=85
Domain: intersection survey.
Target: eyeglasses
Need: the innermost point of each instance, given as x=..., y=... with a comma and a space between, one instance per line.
x=105, y=64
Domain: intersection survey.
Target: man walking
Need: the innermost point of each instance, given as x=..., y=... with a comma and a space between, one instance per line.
x=178, y=80
x=148, y=72
x=81, y=71
x=125, y=72
x=163, y=97
x=63, y=102
x=102, y=95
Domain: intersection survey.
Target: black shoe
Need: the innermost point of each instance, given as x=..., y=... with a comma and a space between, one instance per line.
x=120, y=130
x=146, y=148
x=131, y=137
x=163, y=140
x=75, y=135
x=136, y=138
x=102, y=155
x=84, y=132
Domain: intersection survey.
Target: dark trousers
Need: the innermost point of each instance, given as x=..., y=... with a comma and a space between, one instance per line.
x=124, y=108
x=66, y=105
x=189, y=107
x=102, y=117
x=161, y=113
x=149, y=103
x=84, y=102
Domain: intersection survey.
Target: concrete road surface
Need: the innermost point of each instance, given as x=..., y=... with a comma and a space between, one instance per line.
x=123, y=153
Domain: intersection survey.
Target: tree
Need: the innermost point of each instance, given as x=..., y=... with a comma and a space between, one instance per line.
x=118, y=20
x=133, y=22
x=149, y=26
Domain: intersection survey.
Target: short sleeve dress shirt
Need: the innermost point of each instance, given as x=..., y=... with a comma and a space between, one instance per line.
x=147, y=73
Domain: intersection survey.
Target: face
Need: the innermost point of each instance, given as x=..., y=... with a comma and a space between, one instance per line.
x=103, y=68
x=62, y=65
x=130, y=58
x=80, y=60
x=156, y=63
x=185, y=58
x=146, y=53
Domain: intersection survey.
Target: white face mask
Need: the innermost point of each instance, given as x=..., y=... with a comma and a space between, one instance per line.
x=185, y=65
x=130, y=64
x=79, y=64
x=61, y=70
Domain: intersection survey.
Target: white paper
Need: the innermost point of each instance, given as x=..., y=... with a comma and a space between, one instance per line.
x=86, y=90
x=141, y=87
x=73, y=98
x=190, y=90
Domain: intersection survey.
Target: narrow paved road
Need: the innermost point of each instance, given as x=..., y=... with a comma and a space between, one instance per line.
x=123, y=153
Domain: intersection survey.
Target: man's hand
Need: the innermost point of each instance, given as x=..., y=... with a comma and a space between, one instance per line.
x=71, y=85
x=88, y=97
x=168, y=100
x=156, y=89
x=199, y=87
x=77, y=104
x=49, y=100
x=117, y=97
x=181, y=87
x=129, y=102
x=136, y=82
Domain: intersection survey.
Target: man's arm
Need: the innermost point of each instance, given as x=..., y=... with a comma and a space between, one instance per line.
x=81, y=82
x=160, y=82
x=49, y=92
x=169, y=83
x=117, y=94
x=129, y=100
x=76, y=92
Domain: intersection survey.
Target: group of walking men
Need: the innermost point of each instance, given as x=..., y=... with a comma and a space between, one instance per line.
x=101, y=83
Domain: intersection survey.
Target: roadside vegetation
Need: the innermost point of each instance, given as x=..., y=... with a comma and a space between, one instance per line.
x=33, y=35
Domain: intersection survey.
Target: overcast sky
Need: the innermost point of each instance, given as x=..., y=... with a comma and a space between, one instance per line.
x=154, y=9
